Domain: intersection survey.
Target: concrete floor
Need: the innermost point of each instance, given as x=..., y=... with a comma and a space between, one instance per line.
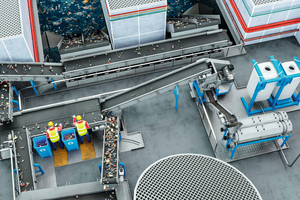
x=6, y=189
x=284, y=50
x=168, y=132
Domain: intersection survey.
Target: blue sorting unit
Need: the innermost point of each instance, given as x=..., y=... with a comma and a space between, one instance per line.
x=43, y=151
x=71, y=144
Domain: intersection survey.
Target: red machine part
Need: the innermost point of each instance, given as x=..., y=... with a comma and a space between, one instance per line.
x=257, y=28
x=35, y=48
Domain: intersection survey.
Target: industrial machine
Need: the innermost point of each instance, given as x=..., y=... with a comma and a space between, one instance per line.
x=245, y=131
x=258, y=129
x=275, y=82
x=216, y=82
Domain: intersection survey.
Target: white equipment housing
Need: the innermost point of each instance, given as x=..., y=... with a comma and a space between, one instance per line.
x=262, y=127
x=264, y=119
x=269, y=72
x=289, y=68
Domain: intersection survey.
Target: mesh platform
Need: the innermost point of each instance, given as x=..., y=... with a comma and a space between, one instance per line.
x=260, y=2
x=193, y=176
x=117, y=4
x=10, y=20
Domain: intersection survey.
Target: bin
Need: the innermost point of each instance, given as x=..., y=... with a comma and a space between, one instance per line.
x=43, y=151
x=69, y=138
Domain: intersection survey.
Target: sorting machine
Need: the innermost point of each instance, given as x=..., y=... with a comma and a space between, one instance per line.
x=239, y=132
x=32, y=122
x=115, y=64
x=210, y=78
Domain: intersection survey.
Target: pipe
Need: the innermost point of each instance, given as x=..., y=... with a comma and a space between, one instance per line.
x=35, y=48
x=271, y=35
x=235, y=25
x=255, y=38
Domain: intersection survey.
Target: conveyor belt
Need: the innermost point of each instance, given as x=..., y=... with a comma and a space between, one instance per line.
x=5, y=100
x=110, y=151
x=229, y=117
x=191, y=25
x=58, y=114
x=163, y=47
x=67, y=48
x=24, y=166
x=26, y=71
x=155, y=84
x=17, y=69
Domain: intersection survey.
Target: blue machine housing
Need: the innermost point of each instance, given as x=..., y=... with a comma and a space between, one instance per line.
x=282, y=81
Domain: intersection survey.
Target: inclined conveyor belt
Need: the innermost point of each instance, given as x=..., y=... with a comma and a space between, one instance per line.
x=148, y=50
x=231, y=118
x=148, y=88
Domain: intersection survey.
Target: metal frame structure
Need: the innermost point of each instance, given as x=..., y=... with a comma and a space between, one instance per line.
x=281, y=81
x=16, y=162
x=233, y=149
x=29, y=141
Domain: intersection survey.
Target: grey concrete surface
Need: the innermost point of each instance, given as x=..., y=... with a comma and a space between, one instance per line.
x=167, y=132
x=82, y=172
x=6, y=189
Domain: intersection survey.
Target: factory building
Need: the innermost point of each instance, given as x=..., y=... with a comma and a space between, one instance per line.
x=149, y=99
x=16, y=44
x=264, y=20
x=132, y=23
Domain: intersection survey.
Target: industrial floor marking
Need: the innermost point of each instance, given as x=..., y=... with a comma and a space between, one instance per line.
x=60, y=156
x=87, y=149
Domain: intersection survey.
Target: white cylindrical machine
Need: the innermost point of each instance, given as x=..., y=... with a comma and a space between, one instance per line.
x=269, y=72
x=263, y=131
x=263, y=119
x=289, y=68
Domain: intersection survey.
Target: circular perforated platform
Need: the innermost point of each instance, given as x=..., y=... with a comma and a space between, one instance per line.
x=193, y=176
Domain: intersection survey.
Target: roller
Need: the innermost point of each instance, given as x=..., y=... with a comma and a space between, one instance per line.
x=263, y=119
x=262, y=131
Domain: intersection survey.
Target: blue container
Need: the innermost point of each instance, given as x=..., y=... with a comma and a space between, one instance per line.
x=71, y=144
x=43, y=151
